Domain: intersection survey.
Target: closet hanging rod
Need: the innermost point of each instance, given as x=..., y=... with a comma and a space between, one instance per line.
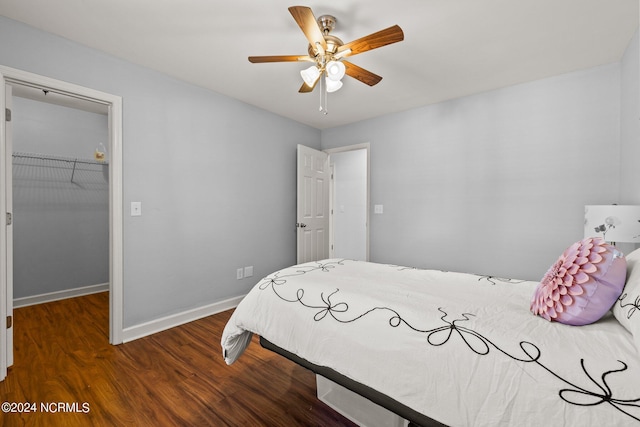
x=58, y=158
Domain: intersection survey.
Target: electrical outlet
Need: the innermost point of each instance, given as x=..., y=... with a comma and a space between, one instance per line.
x=240, y=273
x=248, y=271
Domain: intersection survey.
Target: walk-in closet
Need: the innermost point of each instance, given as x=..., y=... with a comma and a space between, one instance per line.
x=60, y=197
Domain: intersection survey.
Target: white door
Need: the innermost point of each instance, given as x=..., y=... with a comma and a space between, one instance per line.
x=6, y=251
x=313, y=204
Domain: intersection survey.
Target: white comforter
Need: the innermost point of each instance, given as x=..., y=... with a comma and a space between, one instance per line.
x=462, y=349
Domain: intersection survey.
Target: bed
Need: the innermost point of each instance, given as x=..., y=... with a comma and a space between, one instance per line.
x=447, y=348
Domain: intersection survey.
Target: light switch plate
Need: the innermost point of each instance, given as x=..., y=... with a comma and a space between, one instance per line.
x=136, y=208
x=378, y=209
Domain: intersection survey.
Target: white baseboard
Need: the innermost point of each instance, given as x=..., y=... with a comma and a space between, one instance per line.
x=59, y=295
x=168, y=322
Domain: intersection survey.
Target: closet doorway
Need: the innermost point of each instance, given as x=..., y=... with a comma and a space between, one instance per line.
x=60, y=196
x=63, y=175
x=349, y=201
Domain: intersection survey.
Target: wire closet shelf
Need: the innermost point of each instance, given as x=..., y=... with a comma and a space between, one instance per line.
x=69, y=169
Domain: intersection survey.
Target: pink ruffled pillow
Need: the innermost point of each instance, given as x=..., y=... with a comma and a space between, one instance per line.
x=582, y=285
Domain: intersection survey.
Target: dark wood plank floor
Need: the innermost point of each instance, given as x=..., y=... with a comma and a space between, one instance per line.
x=172, y=378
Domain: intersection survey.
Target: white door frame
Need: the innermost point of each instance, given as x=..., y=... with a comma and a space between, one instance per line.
x=364, y=146
x=114, y=104
x=7, y=255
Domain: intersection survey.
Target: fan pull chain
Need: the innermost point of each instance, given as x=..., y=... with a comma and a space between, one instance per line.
x=323, y=96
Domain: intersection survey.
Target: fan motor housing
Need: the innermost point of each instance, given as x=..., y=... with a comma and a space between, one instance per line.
x=333, y=43
x=327, y=23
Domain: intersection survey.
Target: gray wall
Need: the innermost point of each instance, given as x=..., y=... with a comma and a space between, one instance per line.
x=494, y=183
x=630, y=125
x=216, y=177
x=60, y=228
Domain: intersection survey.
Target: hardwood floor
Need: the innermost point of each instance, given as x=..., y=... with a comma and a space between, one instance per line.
x=172, y=378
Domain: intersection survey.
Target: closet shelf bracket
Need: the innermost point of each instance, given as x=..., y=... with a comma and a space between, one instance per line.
x=74, y=169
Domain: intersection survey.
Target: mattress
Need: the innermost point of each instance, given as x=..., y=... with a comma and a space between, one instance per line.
x=462, y=349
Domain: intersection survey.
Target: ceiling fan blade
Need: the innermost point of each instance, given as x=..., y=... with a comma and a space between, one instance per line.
x=279, y=58
x=361, y=74
x=372, y=41
x=309, y=26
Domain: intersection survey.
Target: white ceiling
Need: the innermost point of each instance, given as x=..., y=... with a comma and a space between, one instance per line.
x=452, y=48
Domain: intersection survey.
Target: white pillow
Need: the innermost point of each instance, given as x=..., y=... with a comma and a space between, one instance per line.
x=627, y=308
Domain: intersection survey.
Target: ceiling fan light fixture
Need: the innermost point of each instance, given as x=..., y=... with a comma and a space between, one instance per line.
x=310, y=75
x=332, y=85
x=335, y=70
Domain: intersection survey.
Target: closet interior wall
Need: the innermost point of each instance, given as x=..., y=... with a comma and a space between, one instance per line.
x=60, y=201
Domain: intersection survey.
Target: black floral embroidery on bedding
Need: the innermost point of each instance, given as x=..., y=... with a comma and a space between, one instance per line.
x=494, y=279
x=633, y=307
x=589, y=393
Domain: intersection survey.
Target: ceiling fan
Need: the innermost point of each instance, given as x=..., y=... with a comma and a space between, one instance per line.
x=327, y=52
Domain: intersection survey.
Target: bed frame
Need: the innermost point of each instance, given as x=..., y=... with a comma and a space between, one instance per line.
x=414, y=418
